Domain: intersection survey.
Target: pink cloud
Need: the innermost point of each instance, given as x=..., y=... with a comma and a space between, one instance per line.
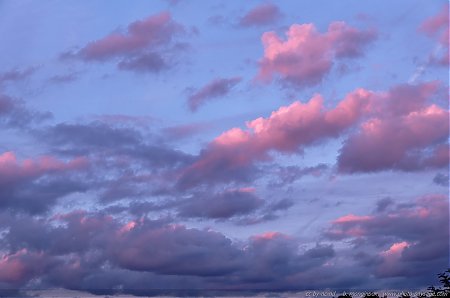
x=437, y=23
x=306, y=56
x=12, y=269
x=19, y=267
x=261, y=15
x=403, y=133
x=416, y=134
x=286, y=130
x=396, y=249
x=267, y=236
x=351, y=218
x=391, y=264
x=407, y=222
x=437, y=27
x=11, y=168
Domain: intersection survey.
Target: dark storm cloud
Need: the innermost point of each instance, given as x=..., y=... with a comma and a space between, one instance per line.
x=85, y=243
x=69, y=250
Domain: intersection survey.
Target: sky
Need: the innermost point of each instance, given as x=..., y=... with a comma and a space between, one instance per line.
x=174, y=146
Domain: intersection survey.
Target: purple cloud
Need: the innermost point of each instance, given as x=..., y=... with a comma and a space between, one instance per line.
x=214, y=89
x=437, y=27
x=405, y=236
x=127, y=191
x=16, y=74
x=260, y=15
x=145, y=46
x=182, y=131
x=90, y=240
x=34, y=185
x=146, y=62
x=153, y=31
x=64, y=78
x=416, y=134
x=441, y=179
x=232, y=155
x=14, y=113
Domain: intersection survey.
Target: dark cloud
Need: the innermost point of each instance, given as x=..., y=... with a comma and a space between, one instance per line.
x=214, y=89
x=289, y=174
x=321, y=251
x=35, y=185
x=82, y=137
x=103, y=139
x=214, y=168
x=441, y=179
x=127, y=161
x=281, y=205
x=270, y=211
x=15, y=114
x=39, y=196
x=72, y=250
x=148, y=62
x=180, y=248
x=383, y=204
x=400, y=240
x=221, y=206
